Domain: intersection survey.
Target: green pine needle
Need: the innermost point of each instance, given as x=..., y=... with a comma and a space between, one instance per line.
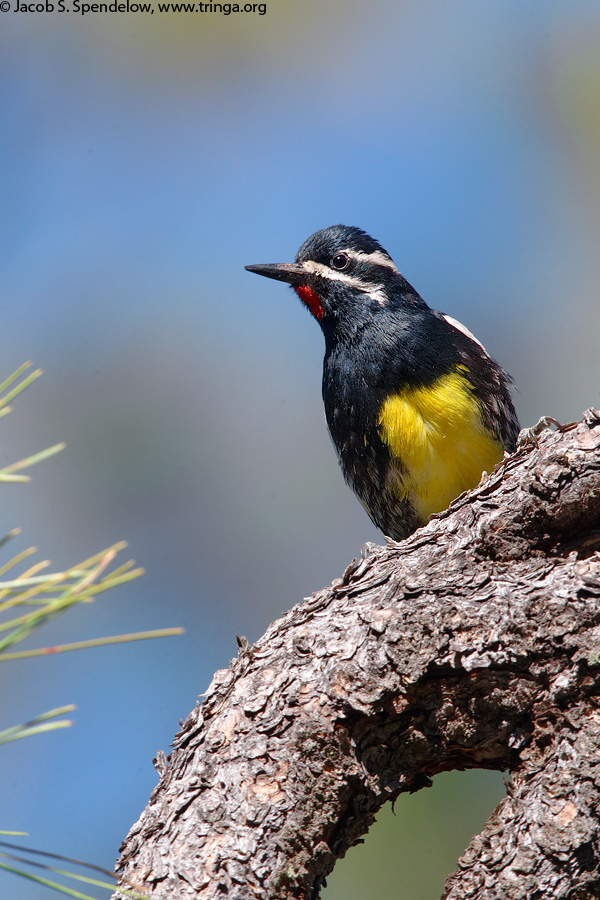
x=6, y=474
x=29, y=600
x=92, y=642
x=25, y=860
x=37, y=725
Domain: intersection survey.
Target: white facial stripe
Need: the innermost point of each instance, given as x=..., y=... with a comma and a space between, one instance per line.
x=377, y=257
x=460, y=327
x=375, y=291
x=378, y=294
x=316, y=268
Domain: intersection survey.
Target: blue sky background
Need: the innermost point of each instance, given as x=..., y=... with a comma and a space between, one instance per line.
x=144, y=161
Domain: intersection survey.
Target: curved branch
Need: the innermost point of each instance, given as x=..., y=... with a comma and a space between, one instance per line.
x=474, y=643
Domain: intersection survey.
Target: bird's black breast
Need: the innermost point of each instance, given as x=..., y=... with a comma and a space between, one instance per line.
x=359, y=372
x=385, y=356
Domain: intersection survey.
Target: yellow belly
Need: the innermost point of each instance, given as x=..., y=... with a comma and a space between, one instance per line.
x=438, y=435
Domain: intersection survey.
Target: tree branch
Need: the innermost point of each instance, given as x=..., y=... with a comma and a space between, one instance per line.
x=473, y=644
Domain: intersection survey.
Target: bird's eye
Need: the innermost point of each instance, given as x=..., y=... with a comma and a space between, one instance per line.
x=340, y=261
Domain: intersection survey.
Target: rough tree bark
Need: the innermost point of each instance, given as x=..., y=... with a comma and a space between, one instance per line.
x=473, y=644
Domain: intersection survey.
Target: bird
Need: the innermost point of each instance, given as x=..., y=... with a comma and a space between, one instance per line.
x=416, y=408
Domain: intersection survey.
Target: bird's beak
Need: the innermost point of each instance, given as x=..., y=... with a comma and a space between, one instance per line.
x=293, y=273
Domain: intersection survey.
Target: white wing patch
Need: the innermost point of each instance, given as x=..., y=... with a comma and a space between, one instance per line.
x=460, y=327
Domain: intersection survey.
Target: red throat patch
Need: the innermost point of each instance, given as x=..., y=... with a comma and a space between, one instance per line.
x=310, y=299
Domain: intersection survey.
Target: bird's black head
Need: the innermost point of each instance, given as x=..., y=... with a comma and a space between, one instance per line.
x=343, y=276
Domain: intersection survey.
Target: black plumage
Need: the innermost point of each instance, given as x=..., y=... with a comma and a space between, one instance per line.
x=382, y=341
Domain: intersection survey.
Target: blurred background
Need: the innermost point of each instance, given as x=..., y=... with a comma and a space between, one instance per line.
x=145, y=159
